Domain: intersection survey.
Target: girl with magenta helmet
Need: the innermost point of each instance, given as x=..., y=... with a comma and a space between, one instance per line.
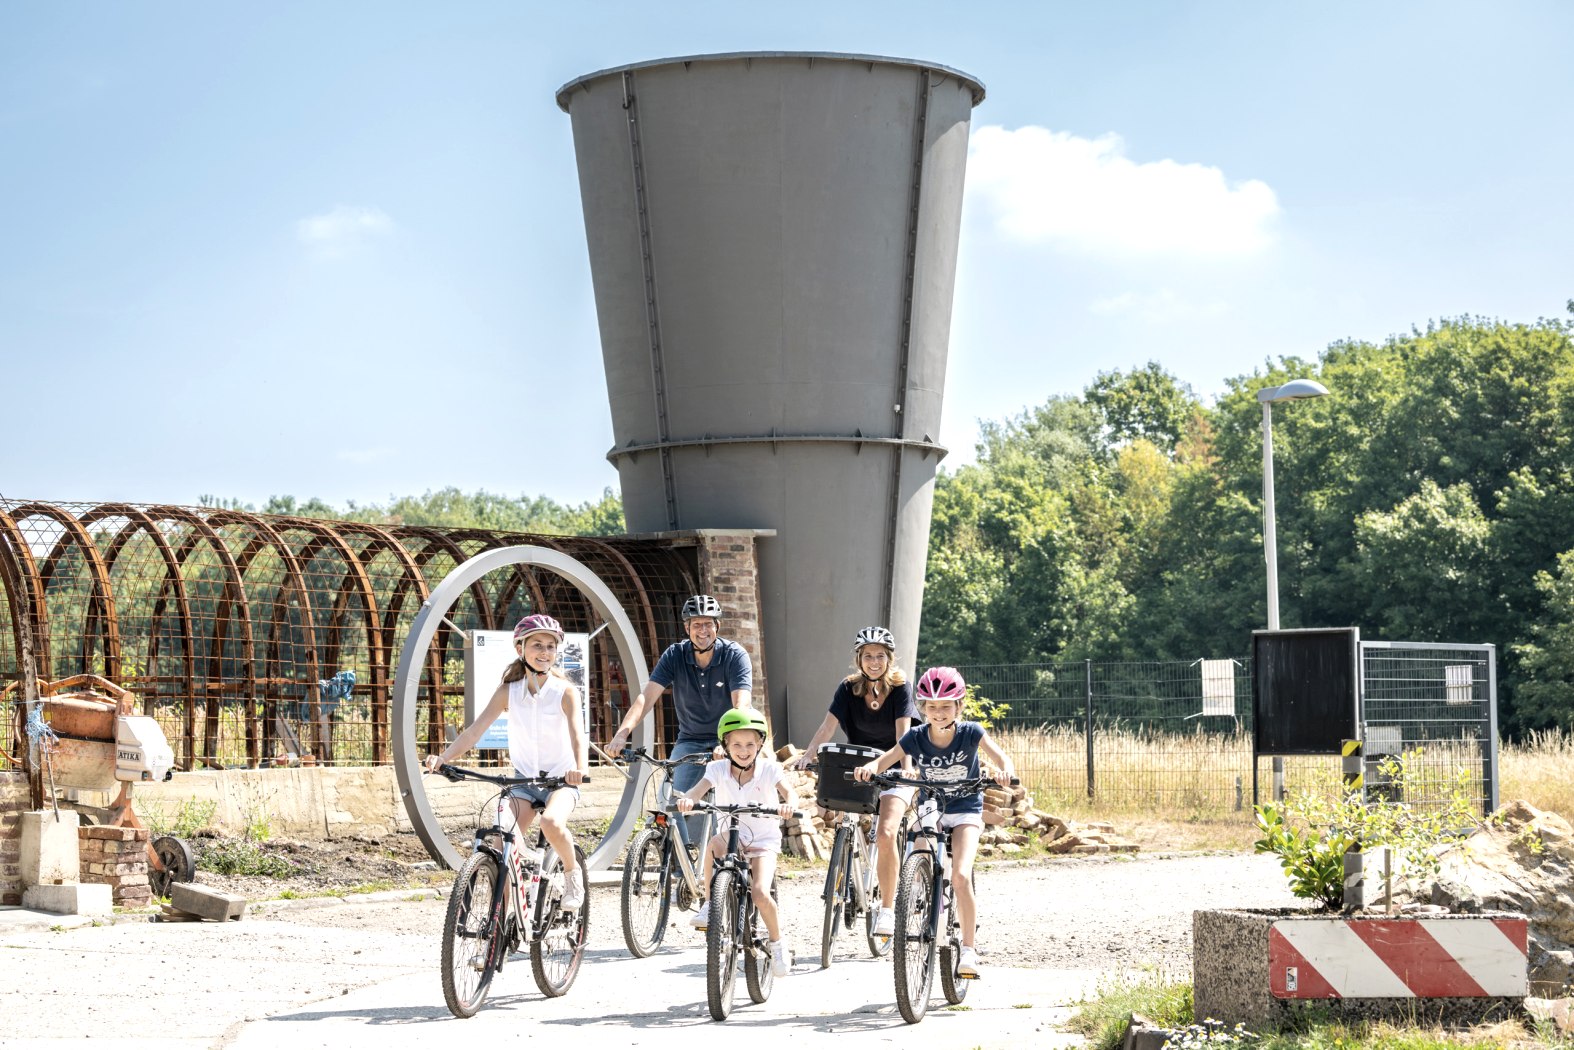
x=873, y=706
x=544, y=740
x=946, y=748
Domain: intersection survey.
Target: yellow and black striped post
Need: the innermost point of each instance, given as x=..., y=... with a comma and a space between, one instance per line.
x=1354, y=874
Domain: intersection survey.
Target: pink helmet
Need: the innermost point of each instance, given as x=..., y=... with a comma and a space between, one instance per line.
x=538, y=623
x=941, y=683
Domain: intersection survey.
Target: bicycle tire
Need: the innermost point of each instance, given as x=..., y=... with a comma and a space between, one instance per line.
x=470, y=935
x=647, y=878
x=721, y=945
x=836, y=880
x=952, y=984
x=913, y=950
x=757, y=971
x=557, y=942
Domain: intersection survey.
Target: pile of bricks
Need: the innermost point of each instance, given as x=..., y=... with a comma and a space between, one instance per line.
x=809, y=836
x=117, y=857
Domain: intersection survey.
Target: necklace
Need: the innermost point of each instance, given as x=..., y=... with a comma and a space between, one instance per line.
x=875, y=699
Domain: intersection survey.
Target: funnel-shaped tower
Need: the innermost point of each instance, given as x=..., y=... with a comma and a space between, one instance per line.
x=773, y=244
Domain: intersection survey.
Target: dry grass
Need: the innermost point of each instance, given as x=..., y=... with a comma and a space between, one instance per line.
x=1193, y=791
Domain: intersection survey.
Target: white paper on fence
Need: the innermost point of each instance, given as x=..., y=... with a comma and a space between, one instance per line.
x=1218, y=687
x=1459, y=684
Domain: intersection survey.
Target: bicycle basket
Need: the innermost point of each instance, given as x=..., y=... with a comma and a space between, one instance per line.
x=835, y=790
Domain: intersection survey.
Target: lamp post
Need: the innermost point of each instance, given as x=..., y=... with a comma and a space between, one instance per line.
x=1294, y=390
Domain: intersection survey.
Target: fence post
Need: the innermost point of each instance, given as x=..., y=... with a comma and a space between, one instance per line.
x=1087, y=731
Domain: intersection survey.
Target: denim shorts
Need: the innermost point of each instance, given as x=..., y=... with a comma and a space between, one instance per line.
x=537, y=797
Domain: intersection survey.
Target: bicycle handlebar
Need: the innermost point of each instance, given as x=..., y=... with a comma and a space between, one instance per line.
x=938, y=787
x=639, y=754
x=457, y=773
x=747, y=809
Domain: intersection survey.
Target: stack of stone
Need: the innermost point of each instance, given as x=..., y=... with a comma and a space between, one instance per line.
x=117, y=858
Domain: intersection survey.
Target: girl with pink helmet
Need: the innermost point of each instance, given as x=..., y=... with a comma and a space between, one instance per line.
x=544, y=740
x=946, y=748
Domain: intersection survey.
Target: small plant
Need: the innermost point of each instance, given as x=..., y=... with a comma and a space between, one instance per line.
x=1311, y=833
x=1105, y=1018
x=979, y=708
x=240, y=857
x=191, y=818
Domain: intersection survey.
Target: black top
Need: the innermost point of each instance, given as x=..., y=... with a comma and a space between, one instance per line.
x=872, y=728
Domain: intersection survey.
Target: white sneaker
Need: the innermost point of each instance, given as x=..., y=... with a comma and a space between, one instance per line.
x=780, y=967
x=573, y=891
x=701, y=918
x=967, y=966
x=884, y=922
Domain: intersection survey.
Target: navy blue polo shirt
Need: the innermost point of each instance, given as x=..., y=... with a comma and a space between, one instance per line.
x=703, y=696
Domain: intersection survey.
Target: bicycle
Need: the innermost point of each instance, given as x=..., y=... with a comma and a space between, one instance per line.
x=926, y=899
x=504, y=895
x=851, y=879
x=661, y=868
x=733, y=930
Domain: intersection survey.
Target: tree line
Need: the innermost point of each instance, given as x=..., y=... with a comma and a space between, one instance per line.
x=1429, y=498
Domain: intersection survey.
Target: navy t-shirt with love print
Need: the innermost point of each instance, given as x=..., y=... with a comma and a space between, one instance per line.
x=957, y=761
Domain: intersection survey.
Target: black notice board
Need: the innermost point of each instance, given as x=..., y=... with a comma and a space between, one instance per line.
x=1306, y=690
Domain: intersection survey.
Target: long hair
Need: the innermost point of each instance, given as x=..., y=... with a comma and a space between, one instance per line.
x=893, y=677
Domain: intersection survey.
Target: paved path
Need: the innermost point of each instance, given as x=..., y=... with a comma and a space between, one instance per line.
x=333, y=974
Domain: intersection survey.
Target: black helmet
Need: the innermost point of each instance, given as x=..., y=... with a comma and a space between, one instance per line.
x=701, y=605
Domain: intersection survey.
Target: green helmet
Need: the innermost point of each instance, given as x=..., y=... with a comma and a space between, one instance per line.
x=741, y=718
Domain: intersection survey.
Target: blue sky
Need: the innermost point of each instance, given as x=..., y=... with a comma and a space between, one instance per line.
x=336, y=250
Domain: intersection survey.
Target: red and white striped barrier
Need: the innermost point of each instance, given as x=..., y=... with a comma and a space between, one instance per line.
x=1464, y=957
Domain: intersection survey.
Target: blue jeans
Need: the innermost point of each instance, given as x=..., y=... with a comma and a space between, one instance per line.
x=685, y=777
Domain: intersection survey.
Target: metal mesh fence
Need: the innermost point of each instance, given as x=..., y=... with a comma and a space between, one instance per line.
x=227, y=625
x=1176, y=736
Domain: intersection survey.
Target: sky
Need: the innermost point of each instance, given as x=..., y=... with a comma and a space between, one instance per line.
x=337, y=250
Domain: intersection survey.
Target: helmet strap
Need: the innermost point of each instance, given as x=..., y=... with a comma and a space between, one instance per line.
x=871, y=677
x=701, y=652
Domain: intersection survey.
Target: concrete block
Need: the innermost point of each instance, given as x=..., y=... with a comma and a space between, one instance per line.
x=70, y=899
x=206, y=902
x=50, y=852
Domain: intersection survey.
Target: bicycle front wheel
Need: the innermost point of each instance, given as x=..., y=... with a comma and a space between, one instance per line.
x=836, y=875
x=722, y=941
x=557, y=944
x=913, y=946
x=472, y=932
x=758, y=973
x=646, y=893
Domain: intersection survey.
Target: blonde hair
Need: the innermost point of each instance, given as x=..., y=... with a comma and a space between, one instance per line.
x=893, y=677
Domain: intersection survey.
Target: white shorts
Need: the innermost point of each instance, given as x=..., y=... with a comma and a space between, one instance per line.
x=906, y=794
x=961, y=820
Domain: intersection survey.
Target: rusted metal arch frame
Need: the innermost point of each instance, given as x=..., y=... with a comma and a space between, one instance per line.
x=380, y=542
x=636, y=584
x=354, y=572
x=434, y=542
x=487, y=541
x=234, y=597
x=104, y=599
x=136, y=521
x=24, y=570
x=264, y=535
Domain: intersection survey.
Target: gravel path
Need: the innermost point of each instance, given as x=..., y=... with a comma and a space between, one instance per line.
x=1098, y=914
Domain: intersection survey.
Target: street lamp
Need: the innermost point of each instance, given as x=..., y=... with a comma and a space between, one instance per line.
x=1294, y=390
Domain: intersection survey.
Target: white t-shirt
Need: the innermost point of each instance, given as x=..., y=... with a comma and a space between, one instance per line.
x=538, y=739
x=754, y=832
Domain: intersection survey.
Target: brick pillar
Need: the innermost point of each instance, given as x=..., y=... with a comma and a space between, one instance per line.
x=14, y=802
x=118, y=857
x=730, y=570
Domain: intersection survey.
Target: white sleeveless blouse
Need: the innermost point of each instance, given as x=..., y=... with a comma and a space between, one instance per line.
x=538, y=740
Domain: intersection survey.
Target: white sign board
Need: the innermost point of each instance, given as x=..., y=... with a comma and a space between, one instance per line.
x=487, y=656
x=1218, y=687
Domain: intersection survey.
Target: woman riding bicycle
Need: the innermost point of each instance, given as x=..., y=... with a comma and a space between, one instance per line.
x=874, y=707
x=544, y=739
x=748, y=774
x=946, y=749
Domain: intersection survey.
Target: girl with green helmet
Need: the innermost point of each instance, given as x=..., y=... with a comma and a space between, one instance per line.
x=749, y=773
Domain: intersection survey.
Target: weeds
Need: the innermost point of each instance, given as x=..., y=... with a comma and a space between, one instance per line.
x=241, y=857
x=1105, y=1017
x=191, y=818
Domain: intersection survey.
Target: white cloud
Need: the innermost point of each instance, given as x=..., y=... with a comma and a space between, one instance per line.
x=1086, y=195
x=1161, y=307
x=337, y=231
